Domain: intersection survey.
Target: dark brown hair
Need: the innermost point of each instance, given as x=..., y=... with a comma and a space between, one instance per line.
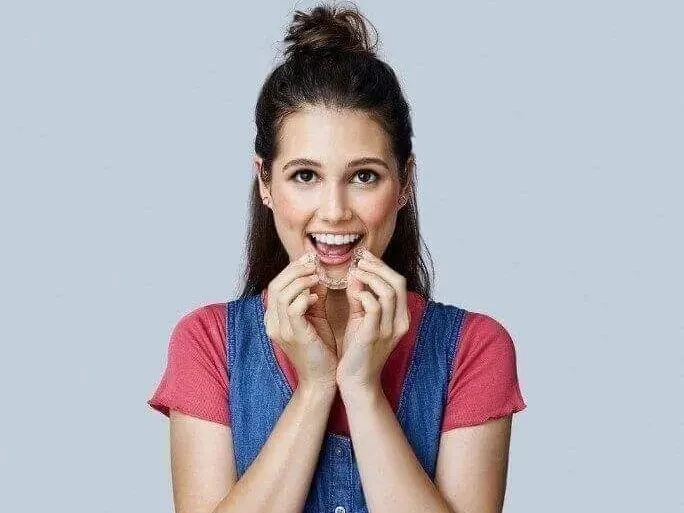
x=330, y=61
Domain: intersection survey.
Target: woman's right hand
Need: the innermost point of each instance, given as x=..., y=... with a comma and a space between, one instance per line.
x=306, y=338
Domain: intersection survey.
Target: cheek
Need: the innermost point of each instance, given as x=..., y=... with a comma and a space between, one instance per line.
x=376, y=216
x=377, y=212
x=292, y=211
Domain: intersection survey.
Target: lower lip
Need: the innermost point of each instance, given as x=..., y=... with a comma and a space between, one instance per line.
x=335, y=260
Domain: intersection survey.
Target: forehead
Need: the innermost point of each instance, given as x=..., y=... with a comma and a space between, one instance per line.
x=325, y=133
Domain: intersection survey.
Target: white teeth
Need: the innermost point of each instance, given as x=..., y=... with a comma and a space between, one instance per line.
x=328, y=238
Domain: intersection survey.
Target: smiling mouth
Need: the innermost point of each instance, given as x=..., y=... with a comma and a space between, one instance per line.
x=346, y=255
x=333, y=251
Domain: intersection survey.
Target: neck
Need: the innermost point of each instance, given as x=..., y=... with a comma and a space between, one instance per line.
x=337, y=309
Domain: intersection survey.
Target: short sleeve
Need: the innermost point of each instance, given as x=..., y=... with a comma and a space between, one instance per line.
x=195, y=381
x=484, y=380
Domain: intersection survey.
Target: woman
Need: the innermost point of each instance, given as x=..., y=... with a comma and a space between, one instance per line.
x=334, y=382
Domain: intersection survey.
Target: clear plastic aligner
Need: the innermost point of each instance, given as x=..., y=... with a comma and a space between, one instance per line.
x=338, y=283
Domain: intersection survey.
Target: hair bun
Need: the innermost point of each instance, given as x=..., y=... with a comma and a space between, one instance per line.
x=326, y=28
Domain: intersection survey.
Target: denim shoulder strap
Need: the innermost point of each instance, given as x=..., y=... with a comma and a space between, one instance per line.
x=423, y=399
x=257, y=395
x=259, y=392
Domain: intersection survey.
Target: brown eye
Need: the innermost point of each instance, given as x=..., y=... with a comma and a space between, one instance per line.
x=302, y=172
x=368, y=176
x=367, y=172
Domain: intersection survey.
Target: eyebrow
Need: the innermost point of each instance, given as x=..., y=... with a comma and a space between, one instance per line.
x=350, y=164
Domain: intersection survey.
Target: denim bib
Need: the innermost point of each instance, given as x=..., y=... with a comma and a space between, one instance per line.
x=259, y=392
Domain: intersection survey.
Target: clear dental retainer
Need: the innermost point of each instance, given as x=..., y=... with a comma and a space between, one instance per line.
x=336, y=283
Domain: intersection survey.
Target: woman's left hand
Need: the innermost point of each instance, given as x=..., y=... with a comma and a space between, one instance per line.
x=375, y=324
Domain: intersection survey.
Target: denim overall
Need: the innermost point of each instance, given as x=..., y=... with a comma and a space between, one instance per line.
x=259, y=392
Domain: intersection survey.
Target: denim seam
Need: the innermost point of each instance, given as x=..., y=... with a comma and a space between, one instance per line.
x=454, y=344
x=429, y=305
x=229, y=342
x=230, y=359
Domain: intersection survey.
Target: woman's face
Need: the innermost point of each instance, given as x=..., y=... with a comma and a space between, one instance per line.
x=320, y=185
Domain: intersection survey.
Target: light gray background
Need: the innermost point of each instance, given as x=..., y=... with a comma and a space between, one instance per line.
x=549, y=139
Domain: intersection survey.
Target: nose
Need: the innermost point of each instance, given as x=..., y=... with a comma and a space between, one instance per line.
x=334, y=205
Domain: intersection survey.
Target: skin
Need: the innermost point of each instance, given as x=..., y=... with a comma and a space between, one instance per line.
x=367, y=320
x=331, y=197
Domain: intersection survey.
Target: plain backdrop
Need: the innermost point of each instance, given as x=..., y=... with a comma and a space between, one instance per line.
x=550, y=145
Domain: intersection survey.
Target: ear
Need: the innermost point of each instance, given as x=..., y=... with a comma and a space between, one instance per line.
x=257, y=164
x=410, y=175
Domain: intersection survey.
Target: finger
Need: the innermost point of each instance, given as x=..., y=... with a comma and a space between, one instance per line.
x=386, y=298
x=354, y=284
x=296, y=310
x=373, y=310
x=299, y=287
x=374, y=264
x=303, y=266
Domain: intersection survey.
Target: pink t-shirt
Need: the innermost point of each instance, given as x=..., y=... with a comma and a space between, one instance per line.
x=483, y=385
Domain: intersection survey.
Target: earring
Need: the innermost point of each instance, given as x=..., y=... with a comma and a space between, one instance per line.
x=402, y=200
x=267, y=201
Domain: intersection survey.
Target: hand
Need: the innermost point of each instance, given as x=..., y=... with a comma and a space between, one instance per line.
x=295, y=320
x=375, y=324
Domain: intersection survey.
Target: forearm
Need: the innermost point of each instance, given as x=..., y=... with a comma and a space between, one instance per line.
x=280, y=477
x=392, y=477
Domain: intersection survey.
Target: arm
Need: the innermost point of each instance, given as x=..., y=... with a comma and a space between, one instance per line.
x=393, y=479
x=471, y=465
x=203, y=464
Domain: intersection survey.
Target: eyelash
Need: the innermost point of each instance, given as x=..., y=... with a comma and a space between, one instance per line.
x=377, y=175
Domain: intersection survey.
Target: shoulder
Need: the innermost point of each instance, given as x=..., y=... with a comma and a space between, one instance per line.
x=484, y=343
x=207, y=316
x=195, y=381
x=474, y=325
x=481, y=327
x=479, y=336
x=203, y=328
x=484, y=379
